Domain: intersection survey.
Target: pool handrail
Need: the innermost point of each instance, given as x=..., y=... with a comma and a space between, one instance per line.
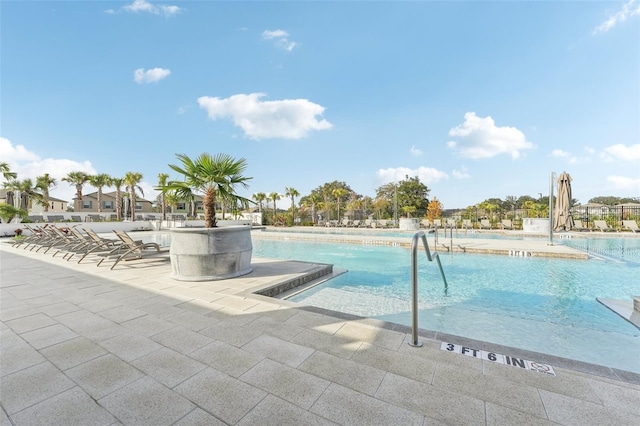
x=420, y=235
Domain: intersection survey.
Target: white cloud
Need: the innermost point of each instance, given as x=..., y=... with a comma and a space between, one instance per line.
x=463, y=173
x=143, y=6
x=288, y=118
x=627, y=184
x=29, y=165
x=154, y=75
x=480, y=138
x=629, y=9
x=415, y=151
x=621, y=152
x=427, y=175
x=281, y=39
x=560, y=153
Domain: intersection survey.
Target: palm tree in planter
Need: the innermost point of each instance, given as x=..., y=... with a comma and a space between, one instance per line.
x=212, y=252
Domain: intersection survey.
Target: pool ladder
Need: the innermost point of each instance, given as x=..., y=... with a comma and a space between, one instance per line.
x=414, y=282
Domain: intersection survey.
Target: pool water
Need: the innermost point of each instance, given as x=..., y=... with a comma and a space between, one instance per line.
x=540, y=304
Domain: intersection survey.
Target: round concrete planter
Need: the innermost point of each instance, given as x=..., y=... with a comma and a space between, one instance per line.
x=206, y=254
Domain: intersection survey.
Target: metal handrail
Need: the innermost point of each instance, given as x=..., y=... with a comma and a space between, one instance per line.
x=414, y=282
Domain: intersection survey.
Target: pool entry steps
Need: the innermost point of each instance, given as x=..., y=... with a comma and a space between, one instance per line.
x=414, y=282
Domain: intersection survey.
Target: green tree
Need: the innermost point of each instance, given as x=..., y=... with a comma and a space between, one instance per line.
x=44, y=183
x=118, y=183
x=131, y=181
x=325, y=193
x=77, y=179
x=312, y=201
x=214, y=176
x=408, y=192
x=339, y=194
x=99, y=181
x=162, y=183
x=6, y=172
x=9, y=212
x=292, y=193
x=274, y=196
x=260, y=197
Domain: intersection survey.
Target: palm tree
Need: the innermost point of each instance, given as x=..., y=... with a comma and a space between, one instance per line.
x=131, y=181
x=274, y=196
x=339, y=193
x=293, y=193
x=117, y=183
x=260, y=197
x=44, y=183
x=162, y=182
x=7, y=174
x=215, y=176
x=77, y=179
x=99, y=181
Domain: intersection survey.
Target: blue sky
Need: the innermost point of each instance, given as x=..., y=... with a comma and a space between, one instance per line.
x=478, y=99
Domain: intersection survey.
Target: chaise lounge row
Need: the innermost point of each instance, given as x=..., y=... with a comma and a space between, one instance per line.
x=71, y=242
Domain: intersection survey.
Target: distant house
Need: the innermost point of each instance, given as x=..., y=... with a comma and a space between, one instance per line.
x=183, y=207
x=56, y=205
x=90, y=203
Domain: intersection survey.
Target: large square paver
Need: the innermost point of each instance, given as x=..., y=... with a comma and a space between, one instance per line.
x=32, y=385
x=130, y=346
x=273, y=411
x=72, y=352
x=223, y=396
x=146, y=402
x=73, y=407
x=182, y=339
x=279, y=350
x=47, y=336
x=168, y=367
x=101, y=376
x=226, y=358
x=292, y=385
x=347, y=407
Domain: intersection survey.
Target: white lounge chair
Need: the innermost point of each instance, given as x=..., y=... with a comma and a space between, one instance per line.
x=579, y=226
x=601, y=225
x=485, y=224
x=506, y=224
x=630, y=225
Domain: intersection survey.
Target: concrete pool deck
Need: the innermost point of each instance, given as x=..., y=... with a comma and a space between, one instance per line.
x=88, y=345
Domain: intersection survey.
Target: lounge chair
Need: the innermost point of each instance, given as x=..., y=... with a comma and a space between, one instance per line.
x=437, y=223
x=506, y=224
x=630, y=225
x=578, y=226
x=485, y=224
x=99, y=246
x=425, y=223
x=451, y=223
x=601, y=225
x=466, y=224
x=75, y=218
x=131, y=249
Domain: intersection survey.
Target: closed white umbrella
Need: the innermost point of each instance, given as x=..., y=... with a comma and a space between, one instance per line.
x=562, y=220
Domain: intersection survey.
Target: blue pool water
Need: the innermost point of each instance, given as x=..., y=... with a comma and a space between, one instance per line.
x=539, y=304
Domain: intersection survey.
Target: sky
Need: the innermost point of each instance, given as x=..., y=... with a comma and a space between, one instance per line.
x=478, y=99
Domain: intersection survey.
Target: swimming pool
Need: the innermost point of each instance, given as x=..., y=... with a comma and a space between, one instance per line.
x=540, y=304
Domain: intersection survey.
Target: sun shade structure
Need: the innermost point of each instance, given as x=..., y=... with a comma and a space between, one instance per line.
x=562, y=220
